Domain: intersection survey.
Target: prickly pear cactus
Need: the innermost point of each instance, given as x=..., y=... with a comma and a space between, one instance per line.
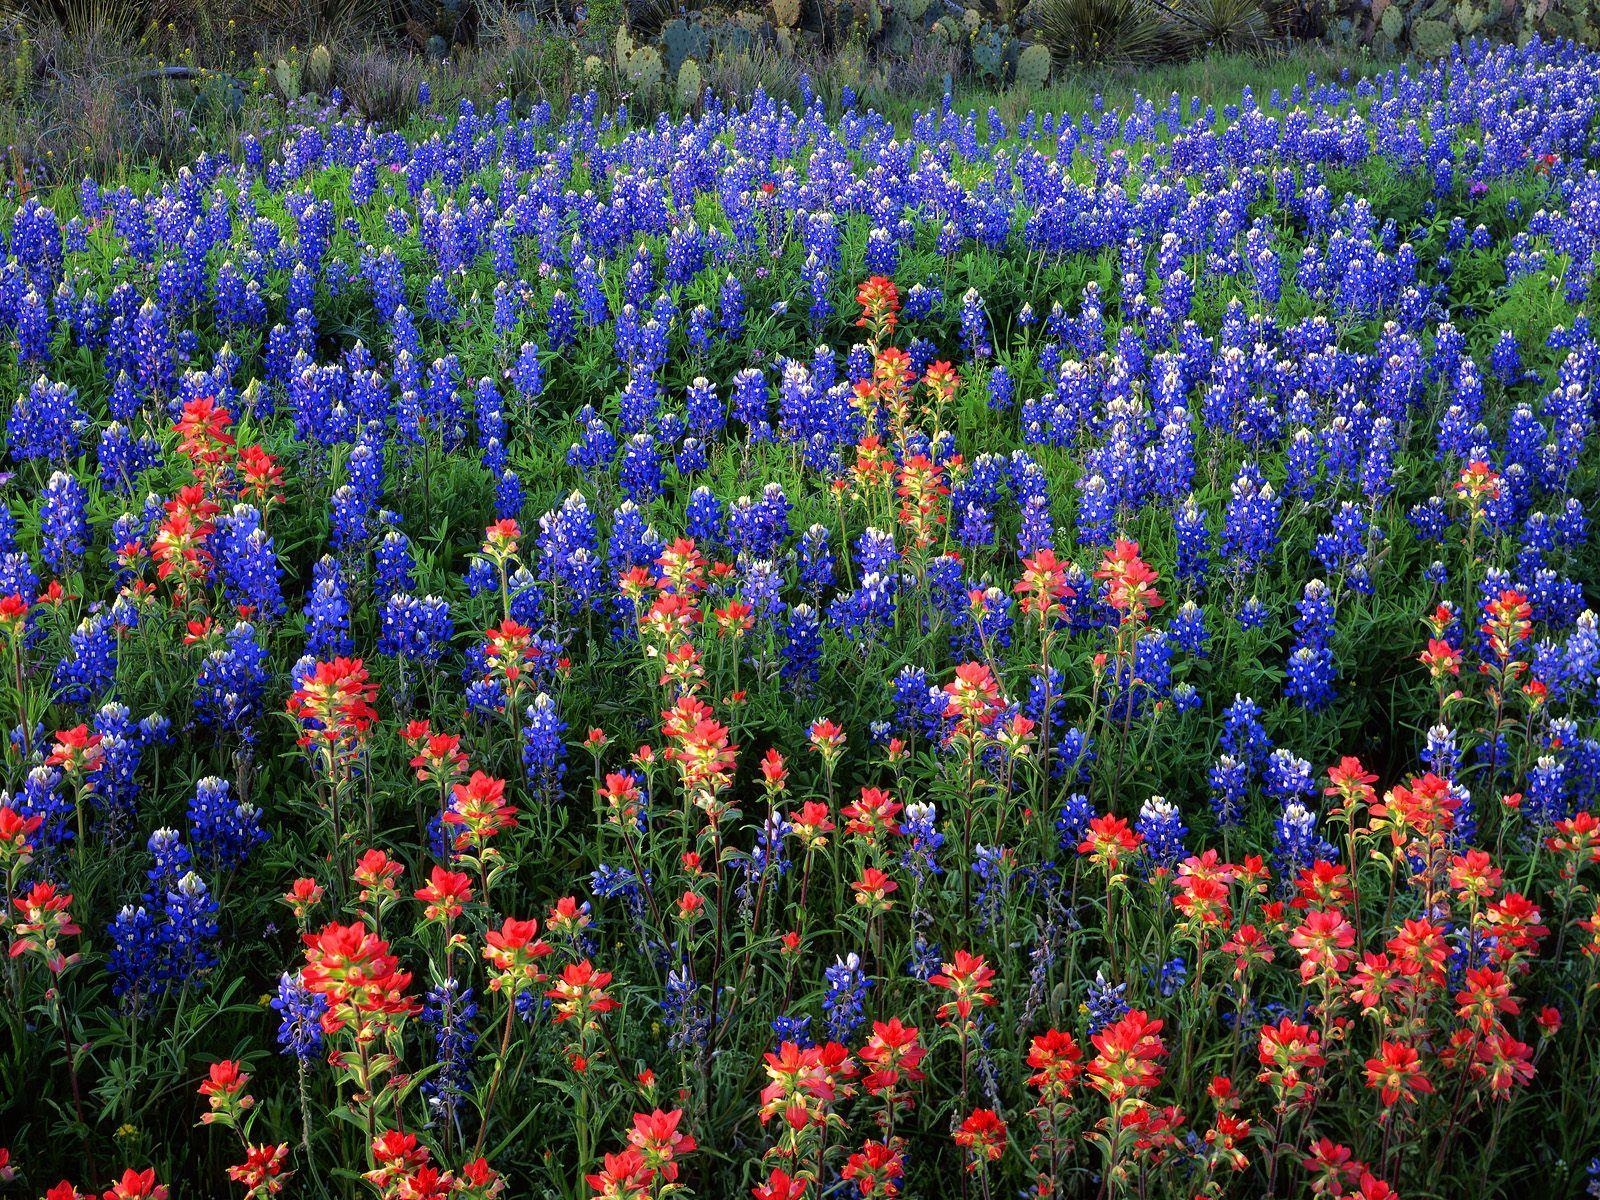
x=1432, y=38
x=318, y=72
x=286, y=74
x=989, y=56
x=786, y=13
x=913, y=10
x=643, y=70
x=899, y=35
x=1469, y=18
x=682, y=40
x=731, y=37
x=1392, y=22
x=1033, y=68
x=689, y=84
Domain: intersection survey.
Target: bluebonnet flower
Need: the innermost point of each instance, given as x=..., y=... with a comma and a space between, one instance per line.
x=300, y=1024
x=994, y=867
x=1287, y=777
x=222, y=830
x=687, y=1018
x=448, y=1010
x=1253, y=613
x=1250, y=525
x=415, y=629
x=974, y=325
x=229, y=688
x=920, y=825
x=1072, y=822
x=544, y=752
x=63, y=522
x=247, y=563
x=842, y=1005
x=43, y=796
x=1230, y=781
x=792, y=1028
x=1194, y=540
x=1310, y=670
x=47, y=423
x=1547, y=794
x=168, y=940
x=1243, y=735
x=394, y=564
x=619, y=883
x=1187, y=629
x=802, y=647
x=124, y=458
x=90, y=668
x=1296, y=844
x=1161, y=825
x=327, y=612
x=1105, y=1003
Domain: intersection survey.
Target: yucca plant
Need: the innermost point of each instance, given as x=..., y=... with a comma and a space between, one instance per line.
x=122, y=21
x=1117, y=32
x=1229, y=26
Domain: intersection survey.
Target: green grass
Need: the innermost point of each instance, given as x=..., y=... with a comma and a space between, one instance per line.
x=1216, y=79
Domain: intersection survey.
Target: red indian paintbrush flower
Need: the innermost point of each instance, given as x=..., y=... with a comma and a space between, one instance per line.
x=479, y=810
x=872, y=818
x=1324, y=940
x=780, y=1185
x=262, y=1171
x=660, y=1142
x=377, y=876
x=621, y=1177
x=804, y=1081
x=894, y=1054
x=875, y=1170
x=973, y=696
x=579, y=994
x=1043, y=586
x=873, y=890
x=1395, y=1072
x=1290, y=1054
x=983, y=1136
x=513, y=952
x=1057, y=1062
x=45, y=920
x=880, y=305
x=967, y=979
x=445, y=895
x=223, y=1087
x=1129, y=581
x=16, y=833
x=1128, y=1056
x=136, y=1185
x=353, y=968
x=333, y=703
x=1333, y=1168
x=1109, y=842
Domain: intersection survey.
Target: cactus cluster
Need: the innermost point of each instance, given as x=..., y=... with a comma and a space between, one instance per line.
x=866, y=38
x=1430, y=28
x=298, y=72
x=640, y=65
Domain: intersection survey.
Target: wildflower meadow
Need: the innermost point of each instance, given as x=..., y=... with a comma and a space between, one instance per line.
x=559, y=651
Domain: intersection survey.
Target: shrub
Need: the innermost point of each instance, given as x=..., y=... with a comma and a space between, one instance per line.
x=1115, y=32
